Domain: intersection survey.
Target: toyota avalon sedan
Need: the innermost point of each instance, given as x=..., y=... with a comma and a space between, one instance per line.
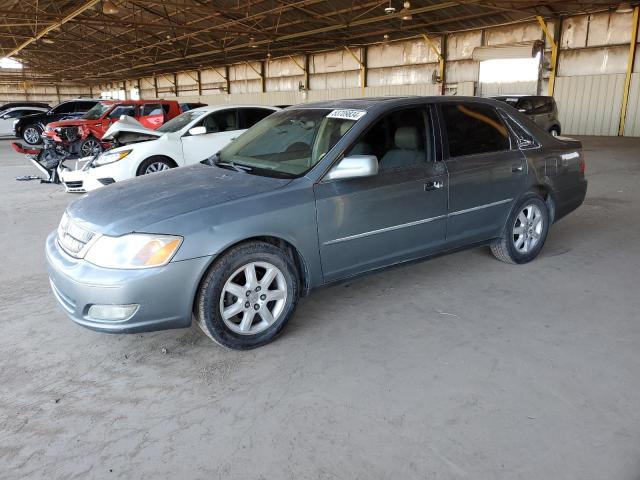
x=311, y=195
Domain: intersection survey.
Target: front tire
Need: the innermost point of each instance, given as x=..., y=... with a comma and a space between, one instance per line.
x=154, y=165
x=32, y=134
x=525, y=232
x=90, y=147
x=554, y=131
x=247, y=296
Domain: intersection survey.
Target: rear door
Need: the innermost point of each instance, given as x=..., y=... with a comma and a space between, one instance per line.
x=487, y=171
x=397, y=215
x=151, y=115
x=221, y=127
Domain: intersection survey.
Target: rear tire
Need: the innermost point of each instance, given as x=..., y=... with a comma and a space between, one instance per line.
x=525, y=232
x=32, y=134
x=247, y=296
x=554, y=131
x=154, y=165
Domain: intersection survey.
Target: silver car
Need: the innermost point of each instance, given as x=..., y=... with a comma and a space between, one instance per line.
x=311, y=195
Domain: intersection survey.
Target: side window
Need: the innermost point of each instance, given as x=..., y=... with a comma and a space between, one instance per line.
x=84, y=106
x=67, y=107
x=250, y=116
x=223, y=121
x=540, y=105
x=152, y=109
x=128, y=110
x=15, y=114
x=473, y=128
x=525, y=140
x=398, y=140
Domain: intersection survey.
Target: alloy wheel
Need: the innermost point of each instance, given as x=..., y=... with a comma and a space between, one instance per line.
x=527, y=229
x=253, y=298
x=156, y=167
x=32, y=135
x=90, y=147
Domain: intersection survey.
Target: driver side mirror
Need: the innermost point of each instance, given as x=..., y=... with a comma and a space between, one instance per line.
x=355, y=166
x=201, y=130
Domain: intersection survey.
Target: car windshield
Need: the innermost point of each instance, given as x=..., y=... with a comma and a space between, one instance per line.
x=290, y=142
x=180, y=121
x=97, y=111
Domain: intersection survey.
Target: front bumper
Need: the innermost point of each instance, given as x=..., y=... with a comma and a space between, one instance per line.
x=79, y=180
x=165, y=294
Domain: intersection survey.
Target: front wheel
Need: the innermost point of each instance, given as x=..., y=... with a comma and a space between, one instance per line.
x=154, y=165
x=248, y=296
x=32, y=134
x=554, y=131
x=90, y=147
x=525, y=233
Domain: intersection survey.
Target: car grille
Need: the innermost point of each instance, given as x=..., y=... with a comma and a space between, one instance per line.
x=77, y=184
x=72, y=238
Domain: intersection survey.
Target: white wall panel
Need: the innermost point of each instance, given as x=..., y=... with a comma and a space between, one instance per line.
x=593, y=61
x=460, y=45
x=589, y=104
x=508, y=88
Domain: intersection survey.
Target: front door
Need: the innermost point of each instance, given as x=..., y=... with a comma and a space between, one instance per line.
x=486, y=173
x=221, y=128
x=397, y=215
x=151, y=115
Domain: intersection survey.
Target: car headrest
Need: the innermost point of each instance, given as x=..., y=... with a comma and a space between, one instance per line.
x=407, y=137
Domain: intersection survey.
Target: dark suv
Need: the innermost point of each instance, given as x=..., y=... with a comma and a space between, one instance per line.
x=540, y=109
x=30, y=127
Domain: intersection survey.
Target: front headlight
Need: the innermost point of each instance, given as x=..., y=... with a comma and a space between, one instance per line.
x=135, y=250
x=110, y=157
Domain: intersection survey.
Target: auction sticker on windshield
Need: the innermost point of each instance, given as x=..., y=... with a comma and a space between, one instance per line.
x=347, y=114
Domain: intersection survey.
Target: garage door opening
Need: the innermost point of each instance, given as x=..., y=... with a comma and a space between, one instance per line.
x=509, y=76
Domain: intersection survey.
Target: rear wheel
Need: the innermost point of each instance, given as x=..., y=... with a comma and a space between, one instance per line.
x=154, y=165
x=32, y=134
x=555, y=131
x=525, y=233
x=248, y=296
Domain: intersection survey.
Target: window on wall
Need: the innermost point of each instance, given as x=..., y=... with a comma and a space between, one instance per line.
x=135, y=94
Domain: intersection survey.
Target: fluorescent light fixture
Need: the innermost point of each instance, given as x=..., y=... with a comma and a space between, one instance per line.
x=9, y=63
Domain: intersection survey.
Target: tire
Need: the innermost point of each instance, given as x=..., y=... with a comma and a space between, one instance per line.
x=554, y=131
x=90, y=147
x=525, y=232
x=154, y=165
x=247, y=328
x=32, y=134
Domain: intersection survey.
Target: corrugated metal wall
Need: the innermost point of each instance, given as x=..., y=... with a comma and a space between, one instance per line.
x=590, y=104
x=632, y=123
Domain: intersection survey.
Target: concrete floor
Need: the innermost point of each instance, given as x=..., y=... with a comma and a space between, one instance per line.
x=462, y=367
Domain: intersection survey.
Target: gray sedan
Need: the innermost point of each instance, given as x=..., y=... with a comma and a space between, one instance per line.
x=311, y=195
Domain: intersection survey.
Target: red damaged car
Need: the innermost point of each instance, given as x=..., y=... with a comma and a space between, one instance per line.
x=82, y=137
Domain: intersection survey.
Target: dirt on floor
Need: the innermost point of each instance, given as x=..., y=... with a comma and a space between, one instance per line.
x=459, y=367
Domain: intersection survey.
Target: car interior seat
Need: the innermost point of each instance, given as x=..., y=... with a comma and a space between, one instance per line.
x=230, y=120
x=407, y=149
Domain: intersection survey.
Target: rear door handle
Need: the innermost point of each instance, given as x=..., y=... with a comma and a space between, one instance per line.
x=431, y=186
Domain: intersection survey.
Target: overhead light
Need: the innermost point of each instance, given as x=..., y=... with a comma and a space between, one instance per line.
x=390, y=9
x=252, y=42
x=48, y=41
x=406, y=14
x=109, y=8
x=385, y=37
x=624, y=8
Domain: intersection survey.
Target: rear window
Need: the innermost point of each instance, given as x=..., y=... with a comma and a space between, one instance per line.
x=473, y=128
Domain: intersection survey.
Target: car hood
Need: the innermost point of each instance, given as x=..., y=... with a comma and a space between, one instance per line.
x=131, y=205
x=73, y=122
x=129, y=130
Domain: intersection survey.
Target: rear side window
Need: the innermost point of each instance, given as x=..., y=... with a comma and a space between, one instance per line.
x=250, y=116
x=473, y=129
x=82, y=107
x=152, y=109
x=68, y=107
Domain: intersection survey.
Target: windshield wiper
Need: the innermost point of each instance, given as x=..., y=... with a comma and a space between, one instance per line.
x=234, y=166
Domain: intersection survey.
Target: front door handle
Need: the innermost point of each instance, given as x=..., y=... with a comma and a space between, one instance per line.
x=431, y=186
x=517, y=168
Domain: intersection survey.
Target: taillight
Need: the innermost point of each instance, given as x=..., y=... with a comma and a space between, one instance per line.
x=582, y=165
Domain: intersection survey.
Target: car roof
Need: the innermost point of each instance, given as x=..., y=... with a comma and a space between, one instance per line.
x=214, y=108
x=382, y=103
x=26, y=107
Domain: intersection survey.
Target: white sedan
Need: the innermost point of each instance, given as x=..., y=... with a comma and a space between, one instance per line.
x=187, y=139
